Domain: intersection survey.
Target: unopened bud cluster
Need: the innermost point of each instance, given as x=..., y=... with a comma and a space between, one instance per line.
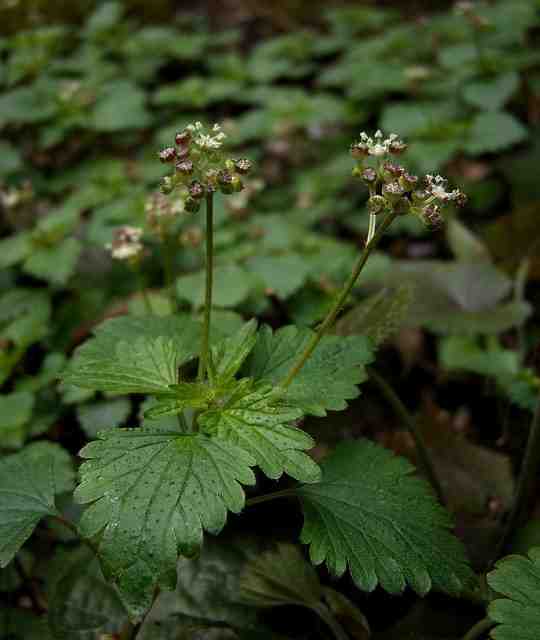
x=393, y=188
x=200, y=166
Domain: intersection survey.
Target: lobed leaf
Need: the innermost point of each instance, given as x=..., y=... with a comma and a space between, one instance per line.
x=517, y=612
x=259, y=422
x=151, y=494
x=29, y=482
x=327, y=380
x=135, y=354
x=370, y=514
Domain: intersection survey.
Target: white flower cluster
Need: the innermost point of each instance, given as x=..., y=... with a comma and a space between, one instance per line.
x=436, y=186
x=378, y=146
x=126, y=243
x=204, y=140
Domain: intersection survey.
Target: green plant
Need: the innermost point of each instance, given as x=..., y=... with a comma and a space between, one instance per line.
x=152, y=491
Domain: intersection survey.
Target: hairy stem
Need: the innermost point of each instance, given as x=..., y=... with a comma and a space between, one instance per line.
x=330, y=620
x=479, y=629
x=270, y=496
x=340, y=300
x=203, y=359
x=401, y=411
x=525, y=485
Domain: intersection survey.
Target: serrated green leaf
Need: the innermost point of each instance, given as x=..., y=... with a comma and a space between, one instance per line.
x=370, y=514
x=151, y=495
x=139, y=354
x=280, y=576
x=229, y=354
x=517, y=578
x=258, y=422
x=327, y=380
x=82, y=605
x=29, y=482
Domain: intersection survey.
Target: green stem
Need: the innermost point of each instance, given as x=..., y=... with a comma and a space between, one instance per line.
x=399, y=408
x=525, y=486
x=340, y=300
x=479, y=629
x=330, y=620
x=270, y=496
x=203, y=359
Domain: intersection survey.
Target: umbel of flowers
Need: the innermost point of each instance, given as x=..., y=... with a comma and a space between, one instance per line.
x=200, y=166
x=393, y=188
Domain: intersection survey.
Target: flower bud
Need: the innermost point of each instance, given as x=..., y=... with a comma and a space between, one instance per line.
x=168, y=154
x=196, y=190
x=392, y=191
x=408, y=181
x=191, y=205
x=243, y=166
x=166, y=185
x=225, y=181
x=183, y=137
x=392, y=171
x=397, y=147
x=185, y=167
x=359, y=150
x=369, y=176
x=419, y=196
x=376, y=204
x=432, y=217
x=237, y=184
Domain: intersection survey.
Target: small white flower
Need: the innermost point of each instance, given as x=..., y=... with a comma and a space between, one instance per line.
x=379, y=146
x=436, y=186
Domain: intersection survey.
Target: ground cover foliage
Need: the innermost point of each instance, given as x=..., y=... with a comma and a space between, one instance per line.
x=385, y=487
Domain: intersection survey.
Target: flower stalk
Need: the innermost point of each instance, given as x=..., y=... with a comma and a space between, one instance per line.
x=340, y=300
x=203, y=360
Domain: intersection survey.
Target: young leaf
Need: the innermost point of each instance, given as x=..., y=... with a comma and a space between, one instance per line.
x=152, y=492
x=29, y=482
x=195, y=395
x=229, y=355
x=329, y=377
x=369, y=513
x=135, y=354
x=252, y=418
x=517, y=579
